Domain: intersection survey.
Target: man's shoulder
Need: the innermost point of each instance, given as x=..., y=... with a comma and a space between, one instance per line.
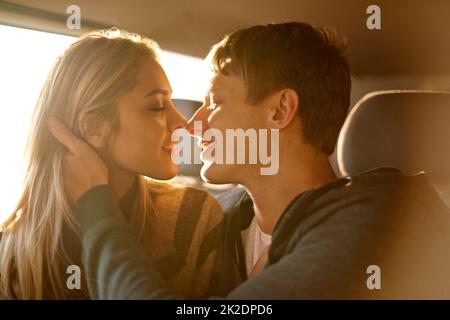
x=394, y=220
x=372, y=200
x=375, y=188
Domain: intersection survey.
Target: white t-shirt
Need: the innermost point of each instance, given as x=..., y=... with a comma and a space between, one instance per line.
x=254, y=242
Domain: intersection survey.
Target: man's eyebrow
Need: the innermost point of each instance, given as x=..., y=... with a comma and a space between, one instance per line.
x=158, y=91
x=212, y=86
x=213, y=89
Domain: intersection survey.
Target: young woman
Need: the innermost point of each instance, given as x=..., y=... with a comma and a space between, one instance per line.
x=108, y=88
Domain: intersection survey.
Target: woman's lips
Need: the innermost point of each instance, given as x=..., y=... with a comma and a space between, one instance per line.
x=169, y=148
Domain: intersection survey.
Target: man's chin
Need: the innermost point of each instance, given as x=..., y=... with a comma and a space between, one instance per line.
x=215, y=174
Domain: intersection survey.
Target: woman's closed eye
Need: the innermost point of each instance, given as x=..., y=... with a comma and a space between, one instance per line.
x=156, y=108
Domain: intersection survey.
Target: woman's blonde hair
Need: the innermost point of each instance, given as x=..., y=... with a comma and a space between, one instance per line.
x=84, y=86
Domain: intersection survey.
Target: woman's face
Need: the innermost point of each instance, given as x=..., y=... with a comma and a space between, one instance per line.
x=142, y=142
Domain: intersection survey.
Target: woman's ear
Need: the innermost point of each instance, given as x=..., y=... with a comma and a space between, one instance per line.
x=95, y=136
x=285, y=109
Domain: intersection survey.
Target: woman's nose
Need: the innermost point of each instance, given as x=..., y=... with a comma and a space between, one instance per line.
x=176, y=120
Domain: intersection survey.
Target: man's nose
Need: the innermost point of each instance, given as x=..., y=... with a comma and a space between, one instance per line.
x=199, y=117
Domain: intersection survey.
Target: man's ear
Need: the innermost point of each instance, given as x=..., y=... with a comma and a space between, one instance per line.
x=284, y=109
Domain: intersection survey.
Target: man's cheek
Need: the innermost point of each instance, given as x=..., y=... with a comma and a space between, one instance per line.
x=221, y=122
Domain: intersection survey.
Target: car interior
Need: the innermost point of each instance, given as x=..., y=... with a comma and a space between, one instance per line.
x=399, y=109
x=400, y=73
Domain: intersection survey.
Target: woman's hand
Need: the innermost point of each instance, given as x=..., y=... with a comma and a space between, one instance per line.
x=83, y=168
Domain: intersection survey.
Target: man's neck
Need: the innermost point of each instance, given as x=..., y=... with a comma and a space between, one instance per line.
x=272, y=194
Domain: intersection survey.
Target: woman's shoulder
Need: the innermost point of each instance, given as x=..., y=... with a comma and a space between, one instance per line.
x=161, y=189
x=182, y=198
x=187, y=232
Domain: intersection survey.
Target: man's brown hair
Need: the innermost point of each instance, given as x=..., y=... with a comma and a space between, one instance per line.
x=292, y=55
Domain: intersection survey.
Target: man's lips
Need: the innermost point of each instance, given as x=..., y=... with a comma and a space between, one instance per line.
x=204, y=143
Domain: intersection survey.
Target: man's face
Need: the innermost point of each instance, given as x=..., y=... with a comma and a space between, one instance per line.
x=226, y=108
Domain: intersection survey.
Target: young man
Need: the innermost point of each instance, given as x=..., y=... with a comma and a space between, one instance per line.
x=300, y=232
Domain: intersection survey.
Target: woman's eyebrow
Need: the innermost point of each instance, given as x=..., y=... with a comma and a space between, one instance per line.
x=158, y=91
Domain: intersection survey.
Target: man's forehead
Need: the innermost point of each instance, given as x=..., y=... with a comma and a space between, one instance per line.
x=220, y=83
x=214, y=82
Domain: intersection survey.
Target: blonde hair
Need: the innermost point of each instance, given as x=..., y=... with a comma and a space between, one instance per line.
x=85, y=84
